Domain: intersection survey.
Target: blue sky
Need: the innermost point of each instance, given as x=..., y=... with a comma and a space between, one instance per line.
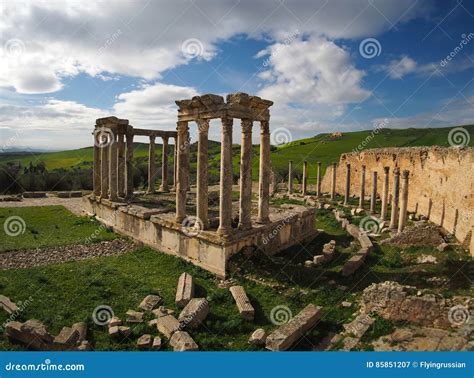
x=63, y=64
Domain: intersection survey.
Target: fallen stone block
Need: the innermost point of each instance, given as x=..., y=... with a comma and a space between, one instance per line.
x=125, y=331
x=68, y=337
x=352, y=265
x=244, y=306
x=167, y=325
x=319, y=259
x=185, y=290
x=32, y=334
x=308, y=263
x=156, y=343
x=194, y=313
x=115, y=321
x=8, y=305
x=134, y=316
x=81, y=328
x=114, y=331
x=287, y=334
x=149, y=302
x=258, y=337
x=365, y=242
x=353, y=230
x=162, y=311
x=144, y=342
x=34, y=194
x=38, y=329
x=181, y=341
x=84, y=346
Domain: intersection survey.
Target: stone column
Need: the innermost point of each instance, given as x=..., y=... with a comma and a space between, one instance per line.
x=318, y=179
x=395, y=197
x=383, y=214
x=362, y=188
x=305, y=178
x=181, y=170
x=264, y=174
x=333, y=181
x=175, y=163
x=113, y=167
x=151, y=165
x=245, y=205
x=225, y=206
x=121, y=165
x=129, y=165
x=164, y=166
x=96, y=167
x=348, y=184
x=202, y=179
x=403, y=202
x=290, y=176
x=373, y=196
x=104, y=164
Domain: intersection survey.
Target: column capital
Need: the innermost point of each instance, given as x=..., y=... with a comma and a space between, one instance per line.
x=265, y=127
x=386, y=170
x=405, y=174
x=396, y=171
x=165, y=139
x=246, y=125
x=203, y=125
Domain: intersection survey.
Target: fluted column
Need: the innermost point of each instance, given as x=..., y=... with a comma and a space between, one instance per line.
x=202, y=179
x=395, y=198
x=373, y=196
x=245, y=204
x=151, y=165
x=264, y=174
x=104, y=164
x=290, y=176
x=333, y=182
x=225, y=206
x=129, y=165
x=121, y=165
x=96, y=167
x=318, y=179
x=383, y=214
x=305, y=178
x=403, y=202
x=164, y=166
x=362, y=187
x=113, y=167
x=348, y=184
x=182, y=171
x=175, y=163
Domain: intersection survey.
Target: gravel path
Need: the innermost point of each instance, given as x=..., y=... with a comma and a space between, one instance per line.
x=72, y=204
x=53, y=255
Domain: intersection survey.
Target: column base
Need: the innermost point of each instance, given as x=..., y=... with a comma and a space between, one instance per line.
x=263, y=220
x=224, y=231
x=244, y=227
x=164, y=189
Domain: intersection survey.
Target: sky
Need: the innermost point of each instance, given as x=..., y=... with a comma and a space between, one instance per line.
x=340, y=65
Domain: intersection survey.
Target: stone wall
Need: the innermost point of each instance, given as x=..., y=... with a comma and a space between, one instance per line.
x=441, y=183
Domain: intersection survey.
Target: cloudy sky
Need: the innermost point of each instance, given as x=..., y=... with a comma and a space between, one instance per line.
x=327, y=65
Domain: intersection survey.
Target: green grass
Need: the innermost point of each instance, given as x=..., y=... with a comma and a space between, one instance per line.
x=49, y=226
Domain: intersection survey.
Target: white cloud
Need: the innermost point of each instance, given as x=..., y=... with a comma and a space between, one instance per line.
x=399, y=68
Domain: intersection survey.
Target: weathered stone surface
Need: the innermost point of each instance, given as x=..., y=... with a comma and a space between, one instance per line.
x=38, y=329
x=156, y=343
x=144, y=341
x=115, y=321
x=8, y=305
x=162, y=311
x=67, y=337
x=244, y=306
x=194, y=313
x=114, y=331
x=150, y=302
x=81, y=328
x=181, y=341
x=421, y=235
x=134, y=316
x=319, y=259
x=125, y=331
x=84, y=346
x=365, y=242
x=359, y=326
x=442, y=247
x=287, y=334
x=167, y=325
x=32, y=334
x=426, y=259
x=258, y=337
x=352, y=265
x=346, y=304
x=185, y=289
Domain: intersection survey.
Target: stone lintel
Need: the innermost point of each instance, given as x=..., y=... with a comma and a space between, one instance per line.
x=111, y=120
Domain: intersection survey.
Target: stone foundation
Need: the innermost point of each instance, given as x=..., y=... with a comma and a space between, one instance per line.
x=207, y=249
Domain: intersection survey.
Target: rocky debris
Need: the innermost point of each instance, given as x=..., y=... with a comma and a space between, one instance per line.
x=287, y=334
x=346, y=304
x=353, y=332
x=354, y=263
x=421, y=235
x=11, y=198
x=225, y=284
x=144, y=342
x=81, y=328
x=114, y=331
x=426, y=259
x=167, y=325
x=156, y=343
x=329, y=250
x=162, y=311
x=150, y=302
x=194, y=313
x=181, y=341
x=244, y=306
x=67, y=337
x=115, y=321
x=258, y=337
x=124, y=331
x=393, y=301
x=52, y=255
x=134, y=316
x=309, y=263
x=84, y=346
x=8, y=305
x=421, y=339
x=185, y=290
x=442, y=247
x=327, y=206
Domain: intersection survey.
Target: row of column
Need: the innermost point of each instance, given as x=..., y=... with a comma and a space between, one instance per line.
x=226, y=174
x=164, y=187
x=304, y=185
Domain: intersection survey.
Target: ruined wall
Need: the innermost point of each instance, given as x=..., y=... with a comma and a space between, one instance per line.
x=441, y=183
